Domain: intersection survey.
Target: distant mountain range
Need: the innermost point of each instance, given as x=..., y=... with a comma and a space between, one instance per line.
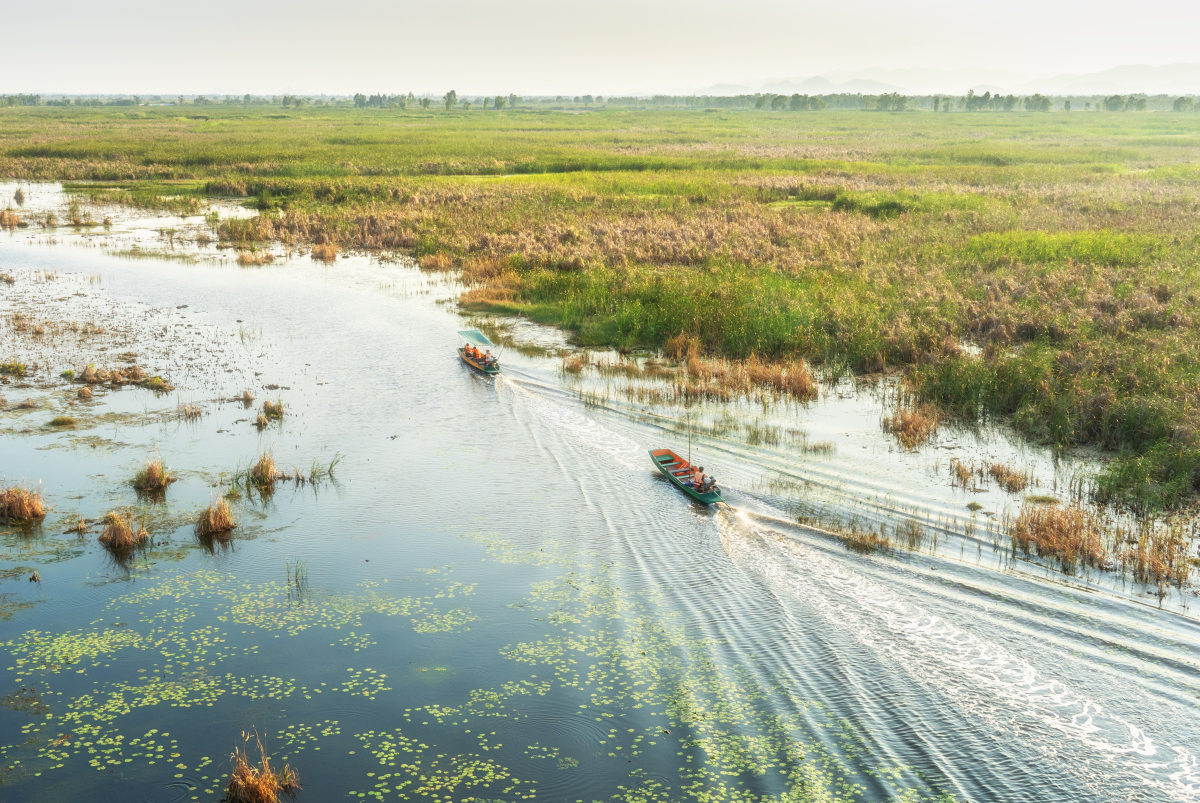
x=1170, y=79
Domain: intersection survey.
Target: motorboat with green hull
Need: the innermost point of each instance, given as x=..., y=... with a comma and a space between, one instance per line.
x=682, y=474
x=472, y=355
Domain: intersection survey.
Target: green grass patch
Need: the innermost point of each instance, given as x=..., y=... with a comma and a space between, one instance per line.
x=1032, y=247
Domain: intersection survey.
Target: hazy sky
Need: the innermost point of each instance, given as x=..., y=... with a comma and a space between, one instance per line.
x=559, y=46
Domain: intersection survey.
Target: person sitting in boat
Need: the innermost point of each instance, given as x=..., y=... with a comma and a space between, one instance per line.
x=697, y=477
x=704, y=483
x=488, y=359
x=472, y=352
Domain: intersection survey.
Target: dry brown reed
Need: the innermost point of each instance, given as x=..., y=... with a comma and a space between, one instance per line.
x=1069, y=536
x=19, y=503
x=190, y=412
x=215, y=519
x=264, y=472
x=912, y=424
x=865, y=541
x=154, y=477
x=258, y=784
x=961, y=473
x=121, y=532
x=325, y=252
x=84, y=393
x=9, y=219
x=435, y=262
x=27, y=404
x=1007, y=478
x=247, y=397
x=273, y=409
x=254, y=258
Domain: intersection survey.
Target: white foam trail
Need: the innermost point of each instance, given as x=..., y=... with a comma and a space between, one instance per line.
x=936, y=652
x=583, y=430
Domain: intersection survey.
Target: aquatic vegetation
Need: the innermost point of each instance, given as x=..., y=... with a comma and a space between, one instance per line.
x=121, y=532
x=216, y=519
x=247, y=397
x=325, y=252
x=254, y=258
x=20, y=503
x=62, y=421
x=272, y=409
x=912, y=424
x=250, y=783
x=1008, y=478
x=84, y=393
x=190, y=412
x=12, y=368
x=27, y=404
x=264, y=473
x=1069, y=536
x=154, y=477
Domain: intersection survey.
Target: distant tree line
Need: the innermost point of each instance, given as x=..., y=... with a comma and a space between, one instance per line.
x=763, y=101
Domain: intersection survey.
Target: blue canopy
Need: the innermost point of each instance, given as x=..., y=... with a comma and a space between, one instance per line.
x=477, y=337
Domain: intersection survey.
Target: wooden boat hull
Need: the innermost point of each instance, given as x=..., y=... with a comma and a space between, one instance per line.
x=678, y=470
x=490, y=370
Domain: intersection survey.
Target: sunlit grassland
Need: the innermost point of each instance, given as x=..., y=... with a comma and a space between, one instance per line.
x=1037, y=267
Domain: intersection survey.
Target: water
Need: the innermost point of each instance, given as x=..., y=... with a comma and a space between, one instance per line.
x=500, y=599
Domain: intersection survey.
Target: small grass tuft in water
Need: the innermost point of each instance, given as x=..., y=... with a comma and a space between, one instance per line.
x=273, y=409
x=154, y=477
x=121, y=532
x=324, y=252
x=258, y=784
x=62, y=421
x=913, y=425
x=217, y=518
x=247, y=397
x=264, y=473
x=84, y=392
x=20, y=503
x=13, y=368
x=1070, y=536
x=1007, y=478
x=1042, y=499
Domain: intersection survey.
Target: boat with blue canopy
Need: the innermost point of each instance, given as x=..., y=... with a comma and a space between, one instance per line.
x=477, y=352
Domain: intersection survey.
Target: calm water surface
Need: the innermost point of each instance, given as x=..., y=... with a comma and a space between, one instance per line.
x=499, y=599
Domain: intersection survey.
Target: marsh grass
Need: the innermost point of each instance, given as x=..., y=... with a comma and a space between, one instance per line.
x=84, y=393
x=324, y=252
x=273, y=410
x=215, y=519
x=1034, y=272
x=122, y=533
x=912, y=424
x=1070, y=537
x=1008, y=478
x=153, y=478
x=258, y=783
x=63, y=421
x=20, y=503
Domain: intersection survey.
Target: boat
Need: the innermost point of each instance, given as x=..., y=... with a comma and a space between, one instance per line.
x=679, y=472
x=474, y=337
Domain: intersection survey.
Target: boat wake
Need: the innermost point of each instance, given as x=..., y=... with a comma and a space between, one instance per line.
x=991, y=683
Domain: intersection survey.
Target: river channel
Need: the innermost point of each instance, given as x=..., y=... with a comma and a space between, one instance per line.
x=494, y=595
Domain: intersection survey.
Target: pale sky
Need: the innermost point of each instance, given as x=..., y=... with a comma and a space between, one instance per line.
x=558, y=46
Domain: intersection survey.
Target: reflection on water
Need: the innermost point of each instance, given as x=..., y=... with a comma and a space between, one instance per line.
x=496, y=596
